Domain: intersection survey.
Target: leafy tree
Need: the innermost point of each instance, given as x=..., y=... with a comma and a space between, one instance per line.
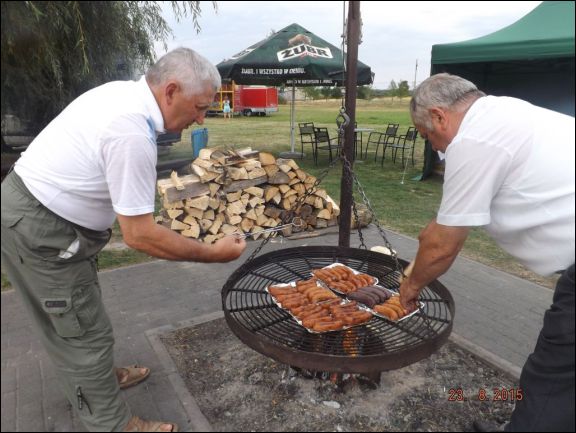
x=336, y=92
x=403, y=89
x=325, y=91
x=392, y=89
x=54, y=51
x=364, y=92
x=312, y=93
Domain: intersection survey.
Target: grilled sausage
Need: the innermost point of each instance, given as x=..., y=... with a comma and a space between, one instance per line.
x=328, y=326
x=386, y=311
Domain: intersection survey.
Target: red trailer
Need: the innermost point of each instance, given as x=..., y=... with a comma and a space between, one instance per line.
x=260, y=100
x=246, y=100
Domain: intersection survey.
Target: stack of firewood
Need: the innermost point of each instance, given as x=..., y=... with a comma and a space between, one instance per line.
x=245, y=192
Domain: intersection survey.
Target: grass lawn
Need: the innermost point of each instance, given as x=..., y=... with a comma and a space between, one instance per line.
x=402, y=204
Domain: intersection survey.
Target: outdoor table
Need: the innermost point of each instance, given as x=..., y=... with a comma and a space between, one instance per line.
x=360, y=131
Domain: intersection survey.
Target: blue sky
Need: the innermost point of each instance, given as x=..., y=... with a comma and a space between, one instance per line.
x=394, y=34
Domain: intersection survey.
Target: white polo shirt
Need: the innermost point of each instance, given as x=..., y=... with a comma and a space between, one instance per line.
x=510, y=168
x=98, y=157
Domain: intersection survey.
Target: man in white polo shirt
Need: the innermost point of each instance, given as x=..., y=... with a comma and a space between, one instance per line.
x=94, y=163
x=509, y=168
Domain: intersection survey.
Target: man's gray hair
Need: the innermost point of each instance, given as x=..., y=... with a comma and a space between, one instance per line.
x=186, y=66
x=441, y=90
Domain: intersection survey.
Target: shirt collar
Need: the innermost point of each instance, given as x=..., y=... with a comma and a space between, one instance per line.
x=152, y=106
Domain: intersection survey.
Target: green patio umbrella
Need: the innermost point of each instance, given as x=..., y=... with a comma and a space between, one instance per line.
x=292, y=56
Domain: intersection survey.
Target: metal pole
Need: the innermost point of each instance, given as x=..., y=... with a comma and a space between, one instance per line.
x=292, y=119
x=415, y=73
x=353, y=36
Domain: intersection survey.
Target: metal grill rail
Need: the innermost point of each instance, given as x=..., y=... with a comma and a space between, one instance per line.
x=378, y=345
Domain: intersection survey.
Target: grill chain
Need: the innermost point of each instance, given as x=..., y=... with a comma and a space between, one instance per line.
x=366, y=201
x=297, y=204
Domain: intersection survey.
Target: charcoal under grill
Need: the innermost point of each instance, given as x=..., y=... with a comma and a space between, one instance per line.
x=375, y=346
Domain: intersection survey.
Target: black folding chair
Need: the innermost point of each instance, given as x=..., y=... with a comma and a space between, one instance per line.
x=405, y=142
x=389, y=138
x=324, y=142
x=307, y=136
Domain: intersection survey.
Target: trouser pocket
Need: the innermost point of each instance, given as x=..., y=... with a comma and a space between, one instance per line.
x=63, y=316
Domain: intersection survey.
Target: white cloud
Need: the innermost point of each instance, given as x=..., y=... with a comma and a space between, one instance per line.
x=395, y=34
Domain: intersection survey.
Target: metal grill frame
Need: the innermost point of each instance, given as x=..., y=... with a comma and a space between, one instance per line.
x=378, y=345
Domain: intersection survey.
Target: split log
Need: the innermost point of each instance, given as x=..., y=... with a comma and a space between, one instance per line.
x=273, y=212
x=174, y=177
x=216, y=225
x=192, y=188
x=178, y=225
x=209, y=215
x=284, y=167
x=190, y=220
x=199, y=202
x=233, y=196
x=205, y=224
x=246, y=224
x=250, y=164
x=214, y=187
x=301, y=174
x=243, y=184
x=234, y=219
x=277, y=198
x=294, y=181
x=325, y=214
x=235, y=208
x=174, y=213
x=210, y=239
x=205, y=153
x=332, y=205
x=193, y=231
x=267, y=158
x=271, y=170
x=255, y=201
x=257, y=172
x=270, y=192
x=228, y=229
x=278, y=178
x=194, y=212
x=237, y=173
x=204, y=175
x=258, y=192
x=251, y=214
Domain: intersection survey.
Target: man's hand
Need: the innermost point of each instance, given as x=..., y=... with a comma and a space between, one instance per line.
x=439, y=246
x=409, y=295
x=228, y=248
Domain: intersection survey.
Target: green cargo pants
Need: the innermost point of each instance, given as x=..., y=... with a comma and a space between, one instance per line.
x=52, y=264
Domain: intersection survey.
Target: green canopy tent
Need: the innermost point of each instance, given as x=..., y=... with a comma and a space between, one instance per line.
x=531, y=59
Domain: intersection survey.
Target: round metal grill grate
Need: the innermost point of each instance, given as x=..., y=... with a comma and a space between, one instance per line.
x=375, y=346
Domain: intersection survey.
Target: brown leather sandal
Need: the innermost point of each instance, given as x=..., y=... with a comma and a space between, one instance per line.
x=134, y=376
x=139, y=425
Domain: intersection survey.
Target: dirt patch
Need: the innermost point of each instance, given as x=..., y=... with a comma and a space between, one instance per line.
x=238, y=389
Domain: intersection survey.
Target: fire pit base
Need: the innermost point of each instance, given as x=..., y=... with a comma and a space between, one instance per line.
x=238, y=389
x=372, y=380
